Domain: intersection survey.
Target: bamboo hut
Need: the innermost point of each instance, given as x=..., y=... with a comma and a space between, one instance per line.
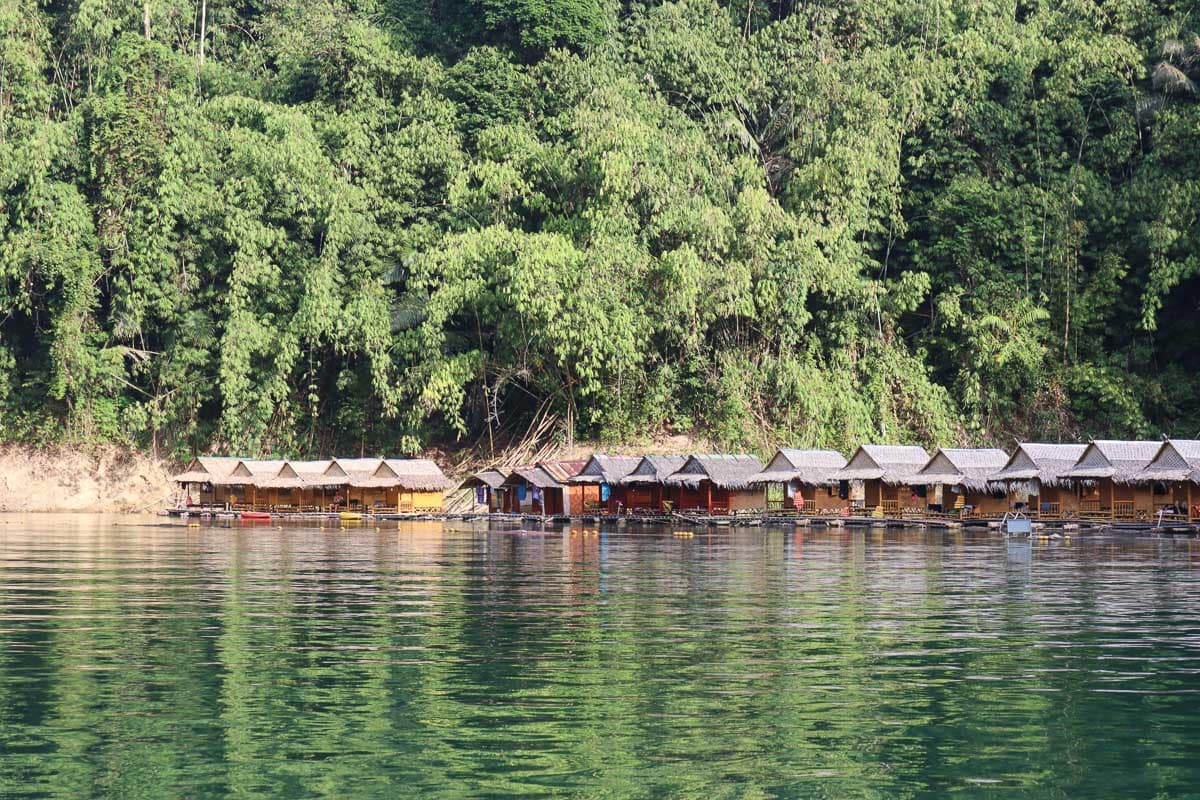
x=1108, y=479
x=1174, y=477
x=600, y=482
x=324, y=487
x=961, y=482
x=486, y=489
x=213, y=481
x=413, y=485
x=717, y=484
x=327, y=483
x=351, y=480
x=886, y=473
x=1034, y=477
x=572, y=495
x=393, y=485
x=645, y=488
x=293, y=487
x=524, y=490
x=259, y=493
x=542, y=488
x=802, y=480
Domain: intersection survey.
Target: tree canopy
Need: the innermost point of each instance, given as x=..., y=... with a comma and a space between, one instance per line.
x=304, y=225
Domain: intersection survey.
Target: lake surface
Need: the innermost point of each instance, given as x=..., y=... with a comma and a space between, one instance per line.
x=143, y=660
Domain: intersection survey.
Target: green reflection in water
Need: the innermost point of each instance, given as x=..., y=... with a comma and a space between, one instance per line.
x=141, y=660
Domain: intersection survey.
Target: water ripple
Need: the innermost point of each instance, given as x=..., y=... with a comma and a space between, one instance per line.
x=145, y=660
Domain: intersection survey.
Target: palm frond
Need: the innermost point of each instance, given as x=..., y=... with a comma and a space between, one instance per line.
x=1170, y=79
x=1173, y=49
x=1147, y=106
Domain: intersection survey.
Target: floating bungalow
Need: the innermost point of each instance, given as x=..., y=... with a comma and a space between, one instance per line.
x=406, y=486
x=960, y=480
x=600, y=482
x=260, y=491
x=887, y=475
x=543, y=489
x=212, y=480
x=717, y=484
x=392, y=485
x=802, y=481
x=486, y=487
x=1108, y=482
x=1035, y=479
x=1142, y=482
x=295, y=486
x=1174, y=477
x=645, y=488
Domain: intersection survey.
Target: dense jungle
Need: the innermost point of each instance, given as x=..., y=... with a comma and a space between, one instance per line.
x=306, y=226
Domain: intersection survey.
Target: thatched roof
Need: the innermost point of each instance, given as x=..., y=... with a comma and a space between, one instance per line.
x=414, y=474
x=969, y=468
x=1176, y=460
x=492, y=478
x=309, y=470
x=1045, y=463
x=278, y=482
x=724, y=471
x=353, y=467
x=296, y=475
x=534, y=476
x=601, y=468
x=264, y=468
x=346, y=472
x=810, y=467
x=1121, y=461
x=654, y=469
x=216, y=470
x=893, y=464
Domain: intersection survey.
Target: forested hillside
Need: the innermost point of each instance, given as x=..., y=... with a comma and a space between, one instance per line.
x=316, y=225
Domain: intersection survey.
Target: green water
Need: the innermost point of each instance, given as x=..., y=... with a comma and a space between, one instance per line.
x=143, y=661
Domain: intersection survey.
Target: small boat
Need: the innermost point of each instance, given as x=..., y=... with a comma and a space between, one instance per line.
x=350, y=516
x=255, y=515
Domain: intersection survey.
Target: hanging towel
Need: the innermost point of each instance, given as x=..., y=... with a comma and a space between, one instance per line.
x=521, y=492
x=605, y=492
x=480, y=495
x=537, y=495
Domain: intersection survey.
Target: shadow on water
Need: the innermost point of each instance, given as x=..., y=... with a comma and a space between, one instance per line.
x=408, y=659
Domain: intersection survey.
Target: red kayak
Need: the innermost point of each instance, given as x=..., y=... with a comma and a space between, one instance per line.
x=256, y=515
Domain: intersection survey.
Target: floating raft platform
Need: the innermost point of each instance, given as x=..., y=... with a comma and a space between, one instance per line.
x=1173, y=528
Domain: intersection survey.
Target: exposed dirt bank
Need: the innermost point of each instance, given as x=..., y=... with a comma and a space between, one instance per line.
x=107, y=480
x=113, y=480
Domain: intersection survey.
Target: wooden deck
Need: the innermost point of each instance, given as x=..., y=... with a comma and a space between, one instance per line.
x=860, y=518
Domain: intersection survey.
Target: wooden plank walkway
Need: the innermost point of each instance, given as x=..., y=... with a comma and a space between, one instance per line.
x=720, y=521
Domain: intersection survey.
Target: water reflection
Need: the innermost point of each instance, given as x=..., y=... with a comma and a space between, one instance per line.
x=141, y=660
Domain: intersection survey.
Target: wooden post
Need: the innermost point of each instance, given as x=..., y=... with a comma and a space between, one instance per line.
x=708, y=495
